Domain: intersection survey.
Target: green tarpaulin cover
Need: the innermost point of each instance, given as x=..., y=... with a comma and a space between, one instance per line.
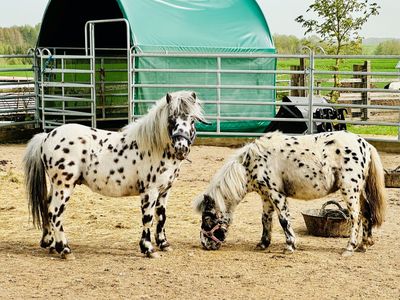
x=180, y=26
x=205, y=26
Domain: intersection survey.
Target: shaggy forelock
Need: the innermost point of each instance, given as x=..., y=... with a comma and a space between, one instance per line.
x=184, y=102
x=151, y=130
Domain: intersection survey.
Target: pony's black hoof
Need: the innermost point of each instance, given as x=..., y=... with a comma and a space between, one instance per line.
x=288, y=251
x=45, y=244
x=362, y=248
x=67, y=256
x=347, y=253
x=52, y=251
x=166, y=248
x=152, y=254
x=262, y=246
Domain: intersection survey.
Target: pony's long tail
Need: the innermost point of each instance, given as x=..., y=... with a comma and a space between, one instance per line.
x=375, y=191
x=35, y=180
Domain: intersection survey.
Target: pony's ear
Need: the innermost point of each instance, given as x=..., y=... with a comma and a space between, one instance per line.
x=198, y=203
x=168, y=97
x=194, y=96
x=203, y=203
x=209, y=203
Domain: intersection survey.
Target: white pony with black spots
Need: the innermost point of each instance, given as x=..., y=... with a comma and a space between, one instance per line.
x=143, y=159
x=278, y=166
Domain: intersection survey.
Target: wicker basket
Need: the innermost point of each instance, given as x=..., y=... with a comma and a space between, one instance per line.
x=392, y=178
x=328, y=222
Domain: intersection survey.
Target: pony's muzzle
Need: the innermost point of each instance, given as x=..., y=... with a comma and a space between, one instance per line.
x=181, y=147
x=213, y=239
x=208, y=243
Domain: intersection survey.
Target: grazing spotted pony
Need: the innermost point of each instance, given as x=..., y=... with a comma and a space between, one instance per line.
x=278, y=166
x=143, y=159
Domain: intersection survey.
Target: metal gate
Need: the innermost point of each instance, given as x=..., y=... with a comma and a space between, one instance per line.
x=316, y=83
x=66, y=89
x=62, y=91
x=70, y=86
x=74, y=88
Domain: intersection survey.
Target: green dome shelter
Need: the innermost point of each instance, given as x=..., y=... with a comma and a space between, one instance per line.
x=220, y=49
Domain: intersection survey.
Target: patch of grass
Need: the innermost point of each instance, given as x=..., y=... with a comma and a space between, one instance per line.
x=16, y=73
x=373, y=129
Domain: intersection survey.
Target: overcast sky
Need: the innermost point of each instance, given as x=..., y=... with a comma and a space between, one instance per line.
x=280, y=16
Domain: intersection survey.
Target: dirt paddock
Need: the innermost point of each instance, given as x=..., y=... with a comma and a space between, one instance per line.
x=104, y=234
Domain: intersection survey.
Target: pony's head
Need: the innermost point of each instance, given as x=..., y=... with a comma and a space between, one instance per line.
x=214, y=223
x=170, y=122
x=183, y=110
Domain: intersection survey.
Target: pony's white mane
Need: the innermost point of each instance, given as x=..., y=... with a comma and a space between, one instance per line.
x=151, y=130
x=229, y=185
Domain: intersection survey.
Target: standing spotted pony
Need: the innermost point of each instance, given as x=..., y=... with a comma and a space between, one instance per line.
x=143, y=159
x=278, y=166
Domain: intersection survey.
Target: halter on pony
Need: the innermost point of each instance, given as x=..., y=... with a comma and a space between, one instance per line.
x=185, y=136
x=210, y=234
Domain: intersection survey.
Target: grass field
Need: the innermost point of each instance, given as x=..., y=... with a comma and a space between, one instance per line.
x=373, y=129
x=377, y=65
x=15, y=73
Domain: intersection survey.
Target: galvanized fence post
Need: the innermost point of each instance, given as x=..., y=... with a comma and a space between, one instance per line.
x=310, y=72
x=93, y=73
x=132, y=75
x=36, y=71
x=218, y=94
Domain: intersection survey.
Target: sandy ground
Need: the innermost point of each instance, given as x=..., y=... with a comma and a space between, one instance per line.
x=104, y=234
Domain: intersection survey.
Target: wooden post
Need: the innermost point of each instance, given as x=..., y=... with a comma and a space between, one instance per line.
x=302, y=77
x=294, y=81
x=365, y=84
x=356, y=112
x=298, y=79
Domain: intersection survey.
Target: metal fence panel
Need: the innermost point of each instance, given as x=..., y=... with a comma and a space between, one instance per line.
x=17, y=90
x=73, y=88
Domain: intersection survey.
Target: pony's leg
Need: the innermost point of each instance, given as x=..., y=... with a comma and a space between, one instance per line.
x=268, y=210
x=148, y=202
x=366, y=225
x=56, y=209
x=161, y=217
x=47, y=240
x=366, y=235
x=279, y=202
x=353, y=205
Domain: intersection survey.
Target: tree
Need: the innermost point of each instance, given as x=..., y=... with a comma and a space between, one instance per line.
x=286, y=44
x=289, y=44
x=18, y=39
x=389, y=47
x=338, y=23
